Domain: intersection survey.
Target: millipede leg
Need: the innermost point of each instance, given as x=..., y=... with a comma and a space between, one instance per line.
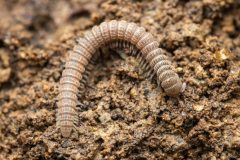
x=146, y=66
x=149, y=74
x=135, y=53
x=141, y=62
x=79, y=105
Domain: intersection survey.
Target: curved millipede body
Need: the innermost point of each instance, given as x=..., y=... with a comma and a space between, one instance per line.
x=116, y=34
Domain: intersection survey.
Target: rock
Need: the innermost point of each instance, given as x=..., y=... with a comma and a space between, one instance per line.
x=223, y=54
x=198, y=107
x=133, y=92
x=105, y=117
x=5, y=75
x=4, y=58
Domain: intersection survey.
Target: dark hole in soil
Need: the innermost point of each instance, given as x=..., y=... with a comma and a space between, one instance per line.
x=42, y=22
x=78, y=14
x=189, y=124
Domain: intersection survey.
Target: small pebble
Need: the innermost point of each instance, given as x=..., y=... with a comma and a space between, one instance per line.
x=5, y=75
x=105, y=117
x=223, y=54
x=133, y=92
x=198, y=107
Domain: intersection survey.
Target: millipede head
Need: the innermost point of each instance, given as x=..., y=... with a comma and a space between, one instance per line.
x=174, y=90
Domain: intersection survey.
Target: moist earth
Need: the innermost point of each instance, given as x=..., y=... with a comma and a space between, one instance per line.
x=122, y=114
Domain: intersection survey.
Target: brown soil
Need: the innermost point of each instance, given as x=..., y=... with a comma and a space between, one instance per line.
x=123, y=116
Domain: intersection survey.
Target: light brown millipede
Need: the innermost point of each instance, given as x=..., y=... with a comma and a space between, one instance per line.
x=116, y=34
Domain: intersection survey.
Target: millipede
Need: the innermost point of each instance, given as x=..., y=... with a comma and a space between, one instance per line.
x=117, y=35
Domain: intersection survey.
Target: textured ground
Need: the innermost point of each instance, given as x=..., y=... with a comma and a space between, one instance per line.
x=124, y=116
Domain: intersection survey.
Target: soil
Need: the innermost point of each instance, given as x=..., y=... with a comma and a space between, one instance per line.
x=122, y=115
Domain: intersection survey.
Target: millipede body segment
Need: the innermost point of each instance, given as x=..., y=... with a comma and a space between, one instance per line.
x=114, y=33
